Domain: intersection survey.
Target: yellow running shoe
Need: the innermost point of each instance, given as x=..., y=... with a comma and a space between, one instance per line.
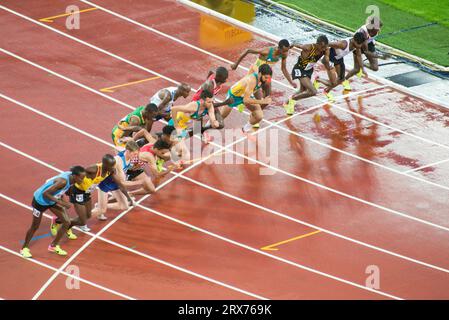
x=290, y=107
x=329, y=96
x=360, y=73
x=54, y=227
x=71, y=235
x=57, y=249
x=26, y=253
x=316, y=84
x=160, y=165
x=346, y=85
x=256, y=125
x=240, y=107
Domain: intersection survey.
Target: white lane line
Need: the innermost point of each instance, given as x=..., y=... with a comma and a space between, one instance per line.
x=66, y=78
x=426, y=166
x=197, y=275
x=210, y=234
x=390, y=127
x=47, y=266
x=65, y=124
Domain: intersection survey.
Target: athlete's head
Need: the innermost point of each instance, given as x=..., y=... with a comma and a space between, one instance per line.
x=132, y=148
x=284, y=46
x=161, y=148
x=184, y=89
x=358, y=40
x=108, y=162
x=322, y=42
x=169, y=134
x=207, y=97
x=221, y=75
x=78, y=173
x=265, y=73
x=150, y=111
x=373, y=25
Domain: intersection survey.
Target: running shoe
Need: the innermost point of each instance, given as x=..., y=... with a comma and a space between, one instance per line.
x=329, y=96
x=256, y=125
x=346, y=85
x=316, y=84
x=316, y=117
x=241, y=107
x=102, y=217
x=57, y=249
x=84, y=228
x=290, y=107
x=160, y=165
x=71, y=235
x=26, y=253
x=54, y=227
x=360, y=73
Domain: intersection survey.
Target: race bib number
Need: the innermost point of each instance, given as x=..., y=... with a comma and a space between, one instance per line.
x=36, y=213
x=79, y=198
x=297, y=73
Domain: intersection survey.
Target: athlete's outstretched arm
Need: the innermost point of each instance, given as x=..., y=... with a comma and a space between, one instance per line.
x=213, y=121
x=245, y=53
x=286, y=73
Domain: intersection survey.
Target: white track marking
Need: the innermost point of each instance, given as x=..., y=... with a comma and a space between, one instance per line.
x=427, y=166
x=129, y=250
x=65, y=124
x=208, y=233
x=93, y=284
x=390, y=127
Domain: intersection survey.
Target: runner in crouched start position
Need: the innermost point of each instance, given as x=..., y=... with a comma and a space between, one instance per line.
x=80, y=195
x=116, y=183
x=242, y=93
x=50, y=196
x=140, y=119
x=148, y=155
x=336, y=67
x=195, y=110
x=304, y=67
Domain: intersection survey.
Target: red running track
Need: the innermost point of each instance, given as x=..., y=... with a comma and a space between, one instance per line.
x=366, y=218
